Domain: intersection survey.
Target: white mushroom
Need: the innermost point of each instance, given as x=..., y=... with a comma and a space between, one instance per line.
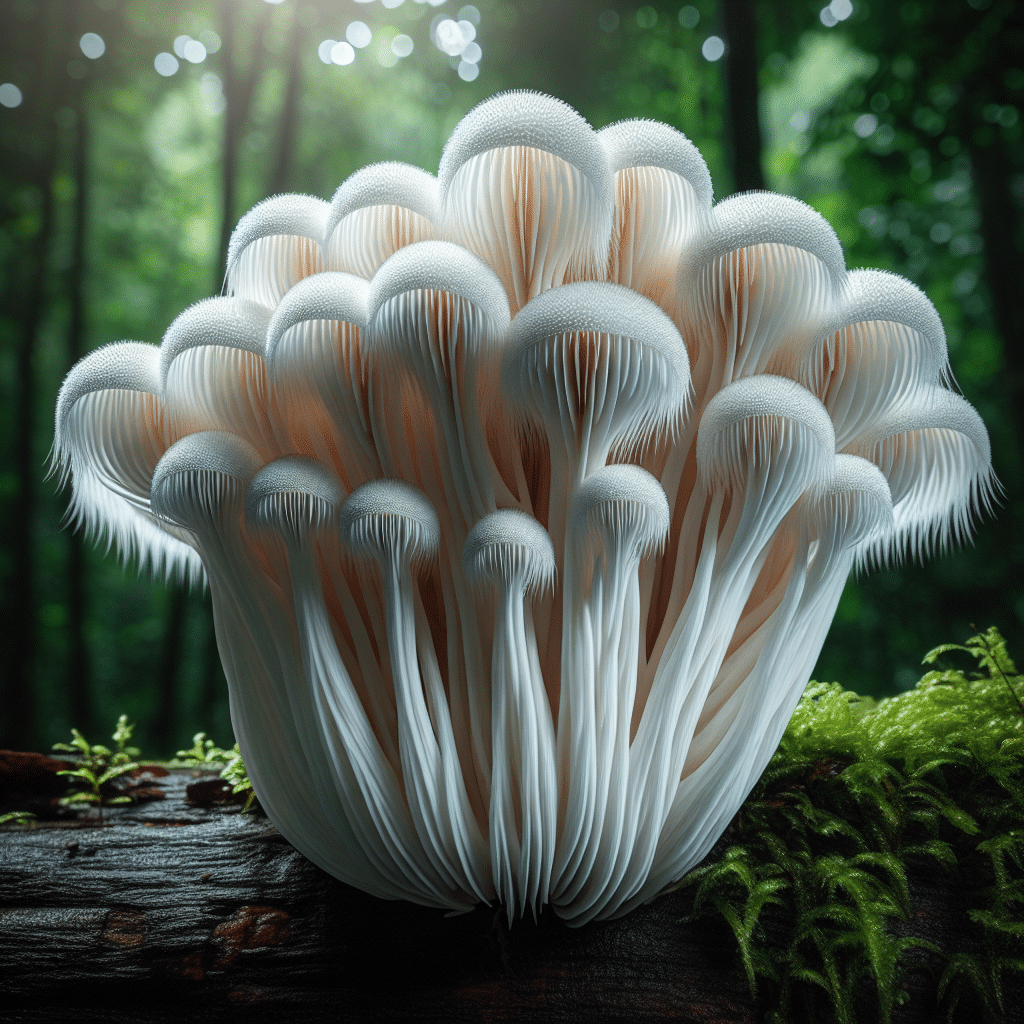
x=395, y=526
x=510, y=551
x=619, y=515
x=509, y=664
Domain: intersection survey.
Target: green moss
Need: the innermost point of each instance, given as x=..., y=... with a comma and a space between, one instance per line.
x=864, y=803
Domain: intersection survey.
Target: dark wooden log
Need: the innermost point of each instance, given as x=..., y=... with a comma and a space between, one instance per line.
x=171, y=908
x=183, y=904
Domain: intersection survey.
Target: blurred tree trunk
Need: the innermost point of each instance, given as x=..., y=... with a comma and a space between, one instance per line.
x=80, y=704
x=1000, y=231
x=238, y=92
x=280, y=176
x=558, y=35
x=743, y=116
x=27, y=295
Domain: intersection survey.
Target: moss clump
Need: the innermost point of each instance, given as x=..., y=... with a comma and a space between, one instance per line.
x=864, y=804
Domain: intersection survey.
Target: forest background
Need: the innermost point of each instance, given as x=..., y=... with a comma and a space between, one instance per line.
x=134, y=134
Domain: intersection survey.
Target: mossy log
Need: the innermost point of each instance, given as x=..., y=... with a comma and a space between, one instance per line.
x=170, y=908
x=177, y=905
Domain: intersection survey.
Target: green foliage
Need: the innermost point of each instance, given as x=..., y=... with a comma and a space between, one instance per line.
x=863, y=800
x=98, y=767
x=205, y=752
x=18, y=818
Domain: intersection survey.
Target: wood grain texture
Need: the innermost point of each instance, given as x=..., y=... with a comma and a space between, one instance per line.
x=171, y=909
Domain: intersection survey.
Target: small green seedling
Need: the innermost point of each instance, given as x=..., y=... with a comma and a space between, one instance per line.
x=205, y=752
x=18, y=818
x=99, y=765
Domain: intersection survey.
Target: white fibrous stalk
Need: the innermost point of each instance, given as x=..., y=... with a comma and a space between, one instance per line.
x=525, y=495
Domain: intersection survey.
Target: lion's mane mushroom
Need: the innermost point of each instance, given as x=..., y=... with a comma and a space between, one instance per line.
x=525, y=495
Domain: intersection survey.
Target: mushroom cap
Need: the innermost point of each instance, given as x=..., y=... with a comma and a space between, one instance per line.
x=649, y=354
x=637, y=142
x=523, y=118
x=386, y=519
x=293, y=496
x=289, y=214
x=623, y=505
x=223, y=320
x=756, y=420
x=384, y=184
x=437, y=266
x=120, y=366
x=507, y=548
x=853, y=503
x=330, y=295
x=759, y=218
x=200, y=477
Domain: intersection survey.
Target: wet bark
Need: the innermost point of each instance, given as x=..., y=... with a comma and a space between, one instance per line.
x=171, y=905
x=183, y=901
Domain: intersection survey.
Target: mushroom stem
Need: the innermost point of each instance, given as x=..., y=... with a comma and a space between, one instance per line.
x=394, y=524
x=293, y=499
x=620, y=515
x=511, y=551
x=200, y=486
x=835, y=519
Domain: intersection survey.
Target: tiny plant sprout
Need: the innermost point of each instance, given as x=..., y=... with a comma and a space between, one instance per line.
x=525, y=495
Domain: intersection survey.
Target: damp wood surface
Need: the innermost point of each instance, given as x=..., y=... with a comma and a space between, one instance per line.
x=170, y=909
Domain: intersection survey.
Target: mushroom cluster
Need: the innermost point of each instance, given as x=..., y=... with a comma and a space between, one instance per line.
x=525, y=495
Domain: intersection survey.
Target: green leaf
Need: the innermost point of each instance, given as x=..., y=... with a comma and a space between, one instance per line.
x=81, y=797
x=116, y=772
x=936, y=652
x=17, y=818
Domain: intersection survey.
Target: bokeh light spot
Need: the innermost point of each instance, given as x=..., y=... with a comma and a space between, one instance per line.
x=448, y=37
x=865, y=125
x=194, y=51
x=10, y=95
x=713, y=48
x=469, y=13
x=358, y=34
x=472, y=53
x=689, y=16
x=211, y=88
x=608, y=20
x=179, y=45
x=92, y=45
x=647, y=17
x=324, y=50
x=166, y=64
x=402, y=45
x=342, y=54
x=467, y=71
